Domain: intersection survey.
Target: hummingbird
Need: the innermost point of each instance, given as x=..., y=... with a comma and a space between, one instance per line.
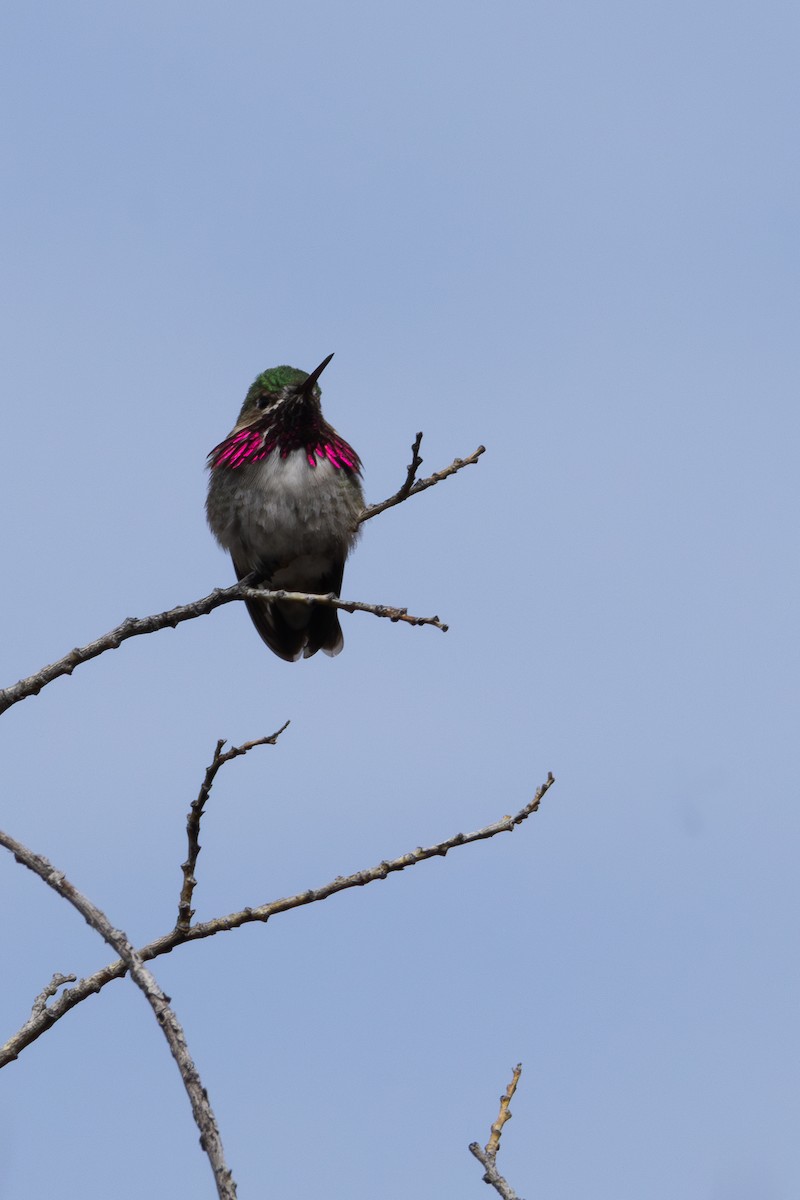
x=284, y=497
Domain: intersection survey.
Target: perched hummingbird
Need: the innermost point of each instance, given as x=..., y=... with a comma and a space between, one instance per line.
x=284, y=498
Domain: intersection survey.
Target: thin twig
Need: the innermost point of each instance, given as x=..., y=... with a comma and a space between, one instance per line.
x=210, y=1140
x=47, y=993
x=493, y=1145
x=403, y=492
x=178, y=937
x=137, y=626
x=487, y=1155
x=410, y=488
x=413, y=467
x=330, y=600
x=195, y=814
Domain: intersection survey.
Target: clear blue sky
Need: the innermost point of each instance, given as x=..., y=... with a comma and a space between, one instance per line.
x=568, y=231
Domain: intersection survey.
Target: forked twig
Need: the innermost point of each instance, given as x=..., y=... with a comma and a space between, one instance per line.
x=412, y=488
x=195, y=814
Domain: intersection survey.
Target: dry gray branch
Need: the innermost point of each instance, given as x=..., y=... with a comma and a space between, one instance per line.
x=487, y=1155
x=177, y=937
x=39, y=1006
x=210, y=1140
x=332, y=601
x=136, y=626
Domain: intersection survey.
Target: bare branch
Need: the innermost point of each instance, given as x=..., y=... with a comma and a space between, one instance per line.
x=493, y=1145
x=178, y=937
x=413, y=467
x=185, y=910
x=492, y=1175
x=410, y=488
x=201, y=1108
x=39, y=1008
x=403, y=492
x=488, y=1155
x=131, y=627
x=137, y=626
x=332, y=601
x=47, y=993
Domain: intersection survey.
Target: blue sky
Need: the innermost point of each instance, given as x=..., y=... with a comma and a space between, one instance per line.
x=567, y=231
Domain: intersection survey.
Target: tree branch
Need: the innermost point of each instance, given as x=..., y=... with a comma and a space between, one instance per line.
x=210, y=1140
x=35, y=1027
x=416, y=462
x=39, y=1008
x=488, y=1155
x=410, y=488
x=131, y=627
x=331, y=600
x=137, y=626
x=185, y=910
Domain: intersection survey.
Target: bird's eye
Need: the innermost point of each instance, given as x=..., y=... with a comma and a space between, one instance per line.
x=262, y=401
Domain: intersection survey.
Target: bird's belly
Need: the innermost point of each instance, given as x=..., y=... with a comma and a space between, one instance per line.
x=282, y=510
